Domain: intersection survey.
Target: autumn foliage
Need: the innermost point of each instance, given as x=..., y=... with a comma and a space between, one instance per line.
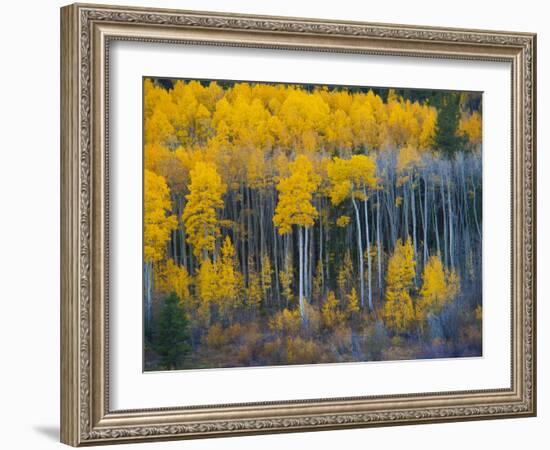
x=398, y=308
x=294, y=224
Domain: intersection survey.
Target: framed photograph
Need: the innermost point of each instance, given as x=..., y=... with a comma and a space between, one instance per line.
x=275, y=224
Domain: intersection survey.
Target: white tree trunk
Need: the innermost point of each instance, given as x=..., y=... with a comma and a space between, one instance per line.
x=478, y=228
x=301, y=275
x=148, y=295
x=425, y=221
x=276, y=262
x=306, y=268
x=436, y=230
x=378, y=249
x=321, y=253
x=442, y=189
x=413, y=214
x=360, y=250
x=450, y=210
x=367, y=239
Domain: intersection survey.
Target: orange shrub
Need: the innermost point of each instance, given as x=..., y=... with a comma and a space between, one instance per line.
x=302, y=351
x=245, y=354
x=286, y=322
x=313, y=319
x=251, y=334
x=216, y=337
x=234, y=332
x=341, y=340
x=272, y=350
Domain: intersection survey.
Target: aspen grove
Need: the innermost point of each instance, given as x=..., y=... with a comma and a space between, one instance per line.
x=299, y=224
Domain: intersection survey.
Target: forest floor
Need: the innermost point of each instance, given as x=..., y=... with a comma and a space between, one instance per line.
x=252, y=345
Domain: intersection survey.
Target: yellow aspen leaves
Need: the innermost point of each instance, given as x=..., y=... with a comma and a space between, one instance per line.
x=158, y=113
x=352, y=306
x=220, y=283
x=304, y=117
x=295, y=196
x=331, y=315
x=286, y=322
x=439, y=286
x=433, y=294
x=408, y=158
x=254, y=293
x=200, y=213
x=343, y=221
x=286, y=280
x=344, y=278
x=207, y=289
x=348, y=177
x=158, y=128
x=170, y=277
x=470, y=126
x=453, y=282
x=410, y=123
x=368, y=116
x=339, y=133
x=154, y=156
x=427, y=128
x=157, y=223
x=266, y=273
x=399, y=312
x=230, y=281
x=479, y=312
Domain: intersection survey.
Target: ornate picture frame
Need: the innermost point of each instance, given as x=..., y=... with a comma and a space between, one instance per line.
x=87, y=31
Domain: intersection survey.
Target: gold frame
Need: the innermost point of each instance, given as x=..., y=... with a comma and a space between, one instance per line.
x=86, y=31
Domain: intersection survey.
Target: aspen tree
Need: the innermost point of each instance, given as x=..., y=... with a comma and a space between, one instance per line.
x=398, y=310
x=173, y=278
x=229, y=280
x=157, y=226
x=295, y=208
x=200, y=213
x=439, y=287
x=350, y=178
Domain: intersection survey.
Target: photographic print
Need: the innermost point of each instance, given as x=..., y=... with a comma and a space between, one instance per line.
x=293, y=224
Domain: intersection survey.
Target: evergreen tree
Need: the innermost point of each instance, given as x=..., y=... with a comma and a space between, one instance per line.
x=447, y=139
x=172, y=336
